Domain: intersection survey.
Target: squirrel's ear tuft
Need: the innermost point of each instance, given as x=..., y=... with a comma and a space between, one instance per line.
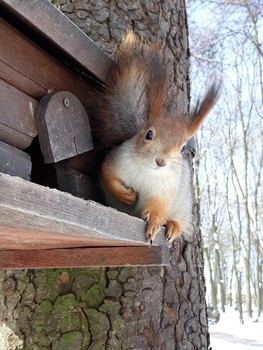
x=203, y=107
x=129, y=39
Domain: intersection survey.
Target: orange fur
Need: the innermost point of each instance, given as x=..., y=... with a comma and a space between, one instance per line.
x=170, y=131
x=155, y=211
x=116, y=187
x=203, y=107
x=135, y=102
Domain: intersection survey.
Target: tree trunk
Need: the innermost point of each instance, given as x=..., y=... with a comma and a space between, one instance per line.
x=235, y=247
x=118, y=308
x=213, y=285
x=220, y=279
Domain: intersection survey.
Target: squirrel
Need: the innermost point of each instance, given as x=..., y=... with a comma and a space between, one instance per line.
x=146, y=172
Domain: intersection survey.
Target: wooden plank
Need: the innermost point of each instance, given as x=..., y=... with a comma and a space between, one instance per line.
x=45, y=18
x=85, y=163
x=17, y=125
x=74, y=182
x=28, y=238
x=20, y=81
x=14, y=161
x=43, y=75
x=63, y=127
x=38, y=211
x=84, y=257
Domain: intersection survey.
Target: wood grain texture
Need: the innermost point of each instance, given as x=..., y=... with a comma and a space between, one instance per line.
x=45, y=18
x=17, y=125
x=74, y=182
x=63, y=127
x=19, y=80
x=33, y=215
x=28, y=68
x=14, y=162
x=84, y=257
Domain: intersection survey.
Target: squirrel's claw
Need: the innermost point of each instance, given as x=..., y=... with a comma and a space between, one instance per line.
x=173, y=230
x=149, y=239
x=145, y=216
x=153, y=227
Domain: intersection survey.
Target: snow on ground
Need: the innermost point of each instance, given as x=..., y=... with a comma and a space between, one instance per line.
x=228, y=334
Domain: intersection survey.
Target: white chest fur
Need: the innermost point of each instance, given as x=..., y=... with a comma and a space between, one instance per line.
x=171, y=181
x=142, y=174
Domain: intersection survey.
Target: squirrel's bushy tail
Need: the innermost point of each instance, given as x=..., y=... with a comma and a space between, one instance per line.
x=135, y=90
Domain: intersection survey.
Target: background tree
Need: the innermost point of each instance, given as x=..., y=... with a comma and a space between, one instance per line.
x=226, y=36
x=118, y=308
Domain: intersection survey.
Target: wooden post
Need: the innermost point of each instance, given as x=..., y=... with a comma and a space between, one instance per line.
x=63, y=127
x=14, y=162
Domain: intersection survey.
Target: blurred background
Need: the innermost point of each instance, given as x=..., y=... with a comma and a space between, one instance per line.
x=226, y=42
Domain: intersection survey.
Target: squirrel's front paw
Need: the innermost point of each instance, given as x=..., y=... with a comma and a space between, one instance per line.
x=153, y=225
x=127, y=195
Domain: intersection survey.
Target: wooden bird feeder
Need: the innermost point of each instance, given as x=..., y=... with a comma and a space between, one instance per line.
x=49, y=193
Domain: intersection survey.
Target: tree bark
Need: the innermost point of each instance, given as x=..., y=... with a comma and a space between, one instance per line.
x=118, y=308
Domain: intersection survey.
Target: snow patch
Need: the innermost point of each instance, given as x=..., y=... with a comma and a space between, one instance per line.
x=229, y=334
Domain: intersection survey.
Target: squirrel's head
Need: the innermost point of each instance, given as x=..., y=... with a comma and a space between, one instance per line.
x=161, y=139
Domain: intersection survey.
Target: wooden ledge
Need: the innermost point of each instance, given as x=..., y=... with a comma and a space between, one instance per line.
x=84, y=257
x=37, y=217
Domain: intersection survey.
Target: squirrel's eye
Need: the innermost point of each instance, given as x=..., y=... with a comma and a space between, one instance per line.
x=149, y=135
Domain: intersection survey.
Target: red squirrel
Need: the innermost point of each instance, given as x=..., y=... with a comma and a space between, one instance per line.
x=146, y=173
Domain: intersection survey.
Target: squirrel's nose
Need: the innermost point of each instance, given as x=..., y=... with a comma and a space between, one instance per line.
x=160, y=162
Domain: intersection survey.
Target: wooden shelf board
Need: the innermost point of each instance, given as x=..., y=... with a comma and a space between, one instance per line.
x=37, y=217
x=84, y=257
